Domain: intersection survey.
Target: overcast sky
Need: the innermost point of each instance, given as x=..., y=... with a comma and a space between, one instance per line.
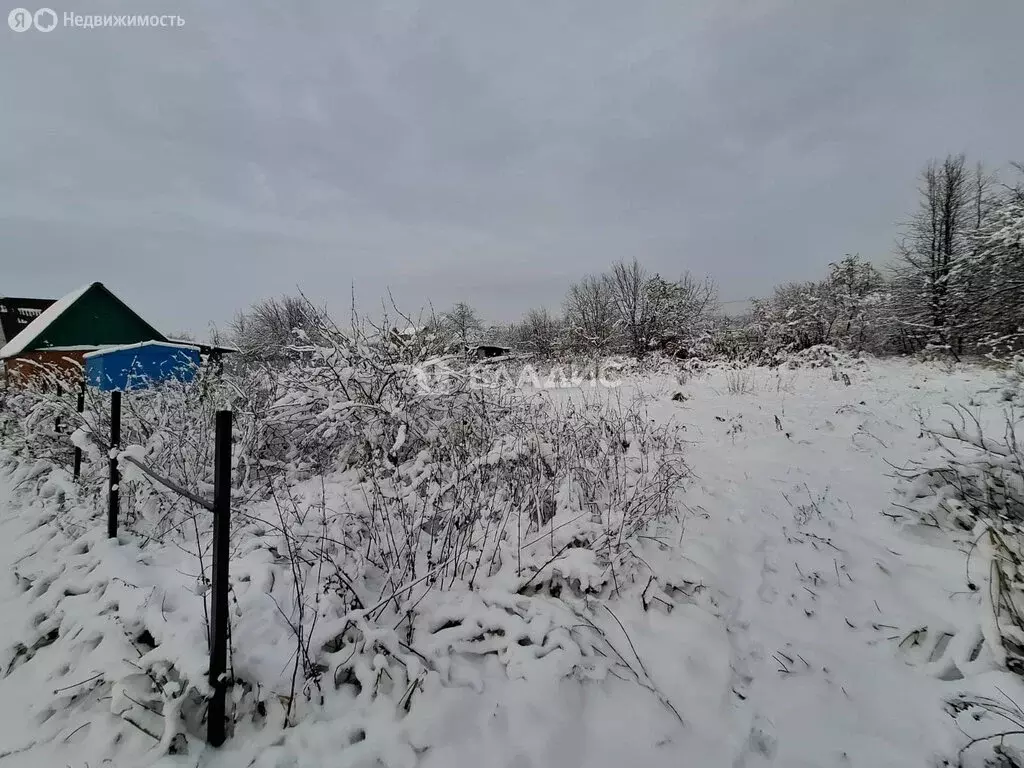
x=480, y=150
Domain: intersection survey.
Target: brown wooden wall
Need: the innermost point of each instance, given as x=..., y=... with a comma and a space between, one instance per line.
x=40, y=368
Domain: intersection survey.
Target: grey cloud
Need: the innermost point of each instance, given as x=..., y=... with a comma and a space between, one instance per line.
x=466, y=149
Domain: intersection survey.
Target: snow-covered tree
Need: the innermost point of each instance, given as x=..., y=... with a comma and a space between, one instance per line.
x=861, y=302
x=269, y=328
x=636, y=305
x=993, y=309
x=851, y=308
x=934, y=293
x=540, y=333
x=685, y=310
x=591, y=318
x=653, y=312
x=462, y=324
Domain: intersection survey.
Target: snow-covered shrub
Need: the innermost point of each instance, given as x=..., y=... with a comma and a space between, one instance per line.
x=390, y=527
x=37, y=424
x=539, y=333
x=169, y=428
x=455, y=490
x=851, y=310
x=739, y=382
x=36, y=420
x=976, y=482
x=818, y=356
x=458, y=546
x=739, y=339
x=1013, y=389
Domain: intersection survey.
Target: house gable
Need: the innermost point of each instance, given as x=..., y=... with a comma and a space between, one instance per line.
x=88, y=317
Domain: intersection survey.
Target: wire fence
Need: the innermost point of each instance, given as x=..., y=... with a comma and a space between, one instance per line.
x=220, y=506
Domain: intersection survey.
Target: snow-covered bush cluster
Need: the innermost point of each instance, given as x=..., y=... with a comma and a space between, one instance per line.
x=32, y=426
x=850, y=309
x=389, y=531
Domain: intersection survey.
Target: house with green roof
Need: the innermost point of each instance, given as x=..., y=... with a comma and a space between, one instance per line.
x=87, y=319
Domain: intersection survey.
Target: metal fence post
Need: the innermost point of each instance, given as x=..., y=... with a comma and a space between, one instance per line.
x=115, y=475
x=78, y=451
x=56, y=421
x=219, y=608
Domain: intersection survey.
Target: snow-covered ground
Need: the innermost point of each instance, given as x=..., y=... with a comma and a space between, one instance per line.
x=799, y=616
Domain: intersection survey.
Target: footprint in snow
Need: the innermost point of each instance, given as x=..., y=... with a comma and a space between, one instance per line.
x=767, y=593
x=761, y=745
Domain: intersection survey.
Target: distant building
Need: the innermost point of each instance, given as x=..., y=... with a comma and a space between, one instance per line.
x=17, y=313
x=60, y=333
x=487, y=351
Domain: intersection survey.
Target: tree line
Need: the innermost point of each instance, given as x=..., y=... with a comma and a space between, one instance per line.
x=954, y=286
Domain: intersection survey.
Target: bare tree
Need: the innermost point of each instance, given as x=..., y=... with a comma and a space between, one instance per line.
x=937, y=236
x=654, y=312
x=539, y=332
x=504, y=334
x=590, y=315
x=462, y=324
x=688, y=310
x=629, y=288
x=268, y=328
x=1016, y=192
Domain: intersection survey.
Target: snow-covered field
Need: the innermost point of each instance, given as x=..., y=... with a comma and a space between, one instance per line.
x=794, y=613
